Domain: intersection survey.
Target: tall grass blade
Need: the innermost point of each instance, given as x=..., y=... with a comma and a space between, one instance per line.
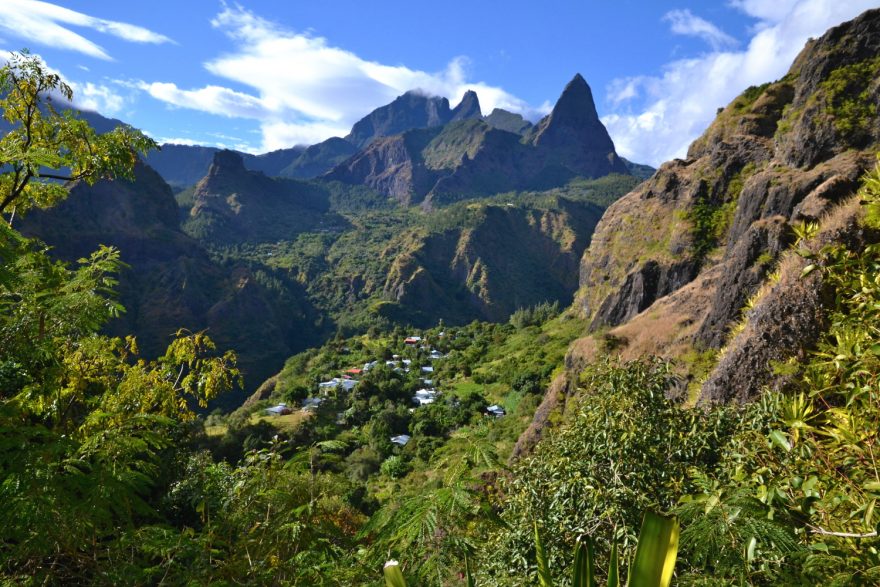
x=582, y=574
x=613, y=567
x=545, y=579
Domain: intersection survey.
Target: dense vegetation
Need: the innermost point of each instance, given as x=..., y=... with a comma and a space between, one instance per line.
x=109, y=476
x=342, y=271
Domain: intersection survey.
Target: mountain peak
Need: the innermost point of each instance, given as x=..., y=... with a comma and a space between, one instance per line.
x=228, y=161
x=576, y=101
x=576, y=135
x=414, y=109
x=468, y=108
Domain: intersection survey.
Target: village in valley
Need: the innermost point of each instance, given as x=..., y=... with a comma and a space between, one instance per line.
x=418, y=356
x=394, y=410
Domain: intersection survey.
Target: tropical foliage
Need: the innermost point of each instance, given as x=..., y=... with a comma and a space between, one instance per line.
x=109, y=474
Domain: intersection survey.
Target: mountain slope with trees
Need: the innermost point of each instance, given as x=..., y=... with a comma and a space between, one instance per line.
x=718, y=365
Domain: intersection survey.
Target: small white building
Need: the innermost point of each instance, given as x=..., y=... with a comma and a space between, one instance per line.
x=336, y=382
x=400, y=439
x=428, y=369
x=435, y=354
x=424, y=397
x=495, y=410
x=279, y=410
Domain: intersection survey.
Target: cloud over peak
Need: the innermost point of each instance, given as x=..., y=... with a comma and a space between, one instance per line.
x=305, y=90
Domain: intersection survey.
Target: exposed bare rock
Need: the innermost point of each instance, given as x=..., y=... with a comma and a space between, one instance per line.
x=744, y=170
x=410, y=111
x=504, y=259
x=468, y=108
x=392, y=166
x=744, y=269
x=573, y=135
x=786, y=322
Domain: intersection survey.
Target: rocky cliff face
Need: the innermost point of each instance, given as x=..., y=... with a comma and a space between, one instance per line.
x=468, y=108
x=233, y=204
x=471, y=157
x=573, y=137
x=391, y=165
x=502, y=259
x=409, y=111
x=779, y=154
x=171, y=282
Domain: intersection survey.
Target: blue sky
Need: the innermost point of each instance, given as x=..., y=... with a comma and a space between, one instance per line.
x=259, y=75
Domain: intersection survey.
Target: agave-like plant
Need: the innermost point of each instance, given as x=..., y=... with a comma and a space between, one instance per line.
x=652, y=566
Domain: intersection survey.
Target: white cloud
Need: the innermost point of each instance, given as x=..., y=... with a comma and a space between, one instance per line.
x=655, y=118
x=41, y=22
x=683, y=22
x=211, y=99
x=306, y=90
x=774, y=11
x=98, y=98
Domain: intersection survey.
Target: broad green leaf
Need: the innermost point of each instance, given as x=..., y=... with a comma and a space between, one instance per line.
x=778, y=438
x=393, y=575
x=808, y=269
x=656, y=551
x=545, y=579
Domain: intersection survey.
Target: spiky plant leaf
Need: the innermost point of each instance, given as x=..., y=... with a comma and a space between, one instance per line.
x=656, y=551
x=545, y=579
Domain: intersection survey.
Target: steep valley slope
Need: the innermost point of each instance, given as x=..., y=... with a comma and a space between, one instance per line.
x=696, y=263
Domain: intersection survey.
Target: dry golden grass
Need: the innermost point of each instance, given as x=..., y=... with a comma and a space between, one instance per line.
x=287, y=422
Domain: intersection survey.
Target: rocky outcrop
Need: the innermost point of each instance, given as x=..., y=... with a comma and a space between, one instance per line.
x=392, y=166
x=649, y=282
x=673, y=264
x=233, y=204
x=744, y=269
x=470, y=157
x=468, y=108
x=786, y=322
x=716, y=206
x=410, y=111
x=504, y=120
x=504, y=258
x=573, y=137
